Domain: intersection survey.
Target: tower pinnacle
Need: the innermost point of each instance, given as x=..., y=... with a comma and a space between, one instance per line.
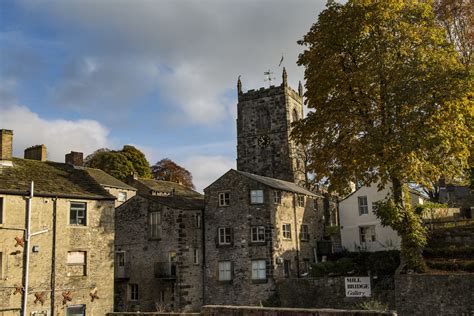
x=239, y=86
x=285, y=77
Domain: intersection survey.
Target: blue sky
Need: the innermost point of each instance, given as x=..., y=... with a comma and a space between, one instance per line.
x=160, y=75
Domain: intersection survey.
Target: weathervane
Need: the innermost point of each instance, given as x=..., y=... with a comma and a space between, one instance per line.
x=269, y=77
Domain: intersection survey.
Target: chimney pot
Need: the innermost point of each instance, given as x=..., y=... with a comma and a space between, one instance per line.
x=75, y=158
x=6, y=144
x=37, y=152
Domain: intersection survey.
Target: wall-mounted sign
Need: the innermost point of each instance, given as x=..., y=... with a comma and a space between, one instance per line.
x=357, y=286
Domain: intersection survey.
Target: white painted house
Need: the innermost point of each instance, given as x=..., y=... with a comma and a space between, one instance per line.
x=361, y=230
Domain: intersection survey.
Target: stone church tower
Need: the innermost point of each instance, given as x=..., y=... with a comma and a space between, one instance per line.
x=264, y=120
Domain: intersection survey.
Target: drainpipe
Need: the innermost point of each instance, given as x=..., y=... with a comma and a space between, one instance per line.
x=27, y=250
x=295, y=200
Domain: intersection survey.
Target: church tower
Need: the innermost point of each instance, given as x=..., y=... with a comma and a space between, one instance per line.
x=264, y=120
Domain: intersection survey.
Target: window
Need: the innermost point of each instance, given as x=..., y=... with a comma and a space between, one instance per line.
x=256, y=196
x=120, y=258
x=258, y=234
x=286, y=229
x=304, y=233
x=374, y=206
x=259, y=270
x=198, y=220
x=287, y=268
x=363, y=206
x=224, y=199
x=1, y=265
x=77, y=214
x=225, y=271
x=155, y=225
x=133, y=290
x=196, y=256
x=225, y=235
x=76, y=310
x=1, y=210
x=76, y=263
x=122, y=196
x=277, y=197
x=300, y=200
x=367, y=233
x=295, y=115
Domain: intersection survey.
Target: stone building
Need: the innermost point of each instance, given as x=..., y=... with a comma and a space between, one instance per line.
x=71, y=250
x=264, y=120
x=258, y=230
x=159, y=248
x=261, y=224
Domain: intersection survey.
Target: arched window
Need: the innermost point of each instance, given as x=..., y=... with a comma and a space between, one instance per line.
x=295, y=115
x=263, y=119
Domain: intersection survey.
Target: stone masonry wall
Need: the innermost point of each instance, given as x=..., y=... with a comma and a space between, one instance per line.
x=145, y=256
x=96, y=239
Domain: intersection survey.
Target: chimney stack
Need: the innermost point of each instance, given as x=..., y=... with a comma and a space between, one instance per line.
x=75, y=158
x=37, y=152
x=6, y=144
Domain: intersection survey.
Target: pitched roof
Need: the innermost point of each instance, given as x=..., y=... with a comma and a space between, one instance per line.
x=50, y=179
x=169, y=187
x=106, y=179
x=276, y=183
x=179, y=202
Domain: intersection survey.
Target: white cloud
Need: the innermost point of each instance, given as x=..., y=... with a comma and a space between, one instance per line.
x=59, y=136
x=207, y=169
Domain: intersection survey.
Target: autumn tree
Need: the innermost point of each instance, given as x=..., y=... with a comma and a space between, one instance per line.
x=388, y=102
x=119, y=163
x=168, y=170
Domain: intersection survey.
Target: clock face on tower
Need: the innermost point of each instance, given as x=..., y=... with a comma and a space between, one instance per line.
x=263, y=141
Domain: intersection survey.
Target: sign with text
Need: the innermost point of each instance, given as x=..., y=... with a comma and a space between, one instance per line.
x=357, y=286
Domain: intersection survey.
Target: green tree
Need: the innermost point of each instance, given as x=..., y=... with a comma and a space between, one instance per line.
x=168, y=170
x=389, y=103
x=119, y=163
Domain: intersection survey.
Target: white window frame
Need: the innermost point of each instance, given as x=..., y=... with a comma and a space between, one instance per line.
x=122, y=196
x=363, y=205
x=77, y=218
x=259, y=270
x=225, y=271
x=258, y=232
x=224, y=235
x=256, y=196
x=286, y=231
x=224, y=198
x=304, y=232
x=154, y=225
x=133, y=293
x=277, y=197
x=300, y=200
x=367, y=234
x=82, y=306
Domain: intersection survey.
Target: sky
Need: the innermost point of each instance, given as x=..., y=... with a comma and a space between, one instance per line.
x=160, y=75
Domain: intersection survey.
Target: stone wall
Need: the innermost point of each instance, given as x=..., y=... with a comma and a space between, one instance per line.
x=49, y=269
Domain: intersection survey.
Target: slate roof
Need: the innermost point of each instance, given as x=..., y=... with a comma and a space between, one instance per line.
x=50, y=179
x=106, y=179
x=276, y=183
x=182, y=203
x=168, y=186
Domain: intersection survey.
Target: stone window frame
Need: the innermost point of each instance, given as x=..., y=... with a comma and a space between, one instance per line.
x=300, y=199
x=196, y=256
x=72, y=264
x=230, y=271
x=227, y=233
x=76, y=217
x=277, y=197
x=133, y=292
x=155, y=233
x=258, y=269
x=122, y=196
x=70, y=307
x=257, y=198
x=304, y=233
x=363, y=205
x=286, y=231
x=224, y=198
x=258, y=233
